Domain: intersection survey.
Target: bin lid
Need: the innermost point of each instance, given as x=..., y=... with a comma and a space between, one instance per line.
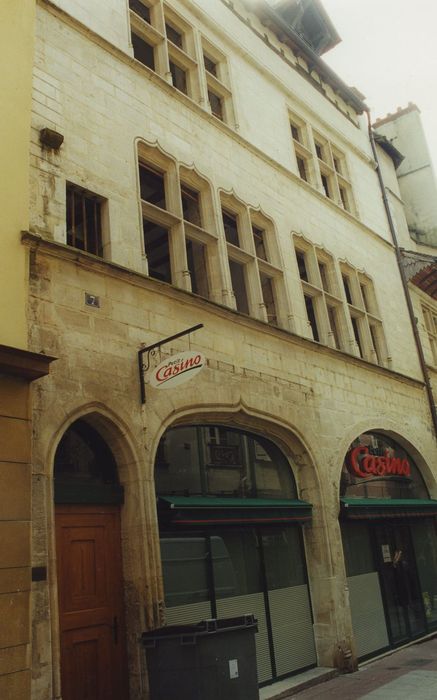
x=202, y=628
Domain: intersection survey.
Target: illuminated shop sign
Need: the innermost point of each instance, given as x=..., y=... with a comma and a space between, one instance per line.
x=365, y=465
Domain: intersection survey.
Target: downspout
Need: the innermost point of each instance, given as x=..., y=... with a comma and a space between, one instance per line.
x=404, y=280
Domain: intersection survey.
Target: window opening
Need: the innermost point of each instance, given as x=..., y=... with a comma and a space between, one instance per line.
x=216, y=103
x=332, y=316
x=143, y=51
x=196, y=257
x=140, y=9
x=347, y=289
x=156, y=244
x=179, y=77
x=357, y=335
x=84, y=228
x=311, y=314
x=302, y=167
x=230, y=223
x=152, y=186
x=258, y=237
x=191, y=205
x=301, y=263
x=239, y=286
x=174, y=35
x=269, y=299
x=210, y=65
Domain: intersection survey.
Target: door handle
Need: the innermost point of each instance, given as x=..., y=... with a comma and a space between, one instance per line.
x=115, y=629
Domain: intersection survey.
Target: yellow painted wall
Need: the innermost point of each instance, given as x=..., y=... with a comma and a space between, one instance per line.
x=16, y=57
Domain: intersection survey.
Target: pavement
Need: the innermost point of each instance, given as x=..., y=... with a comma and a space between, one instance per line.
x=409, y=673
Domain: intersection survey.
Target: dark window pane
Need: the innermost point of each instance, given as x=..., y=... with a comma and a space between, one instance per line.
x=239, y=286
x=357, y=335
x=152, y=188
x=337, y=165
x=174, y=35
x=334, y=326
x=84, y=221
x=236, y=564
x=177, y=463
x=425, y=547
x=191, y=205
x=283, y=558
x=295, y=132
x=258, y=237
x=364, y=292
x=374, y=336
x=269, y=299
x=325, y=183
x=216, y=105
x=301, y=263
x=140, y=9
x=157, y=248
x=302, y=169
x=324, y=276
x=343, y=197
x=197, y=266
x=309, y=305
x=347, y=288
x=210, y=65
x=273, y=476
x=179, y=78
x=231, y=228
x=143, y=52
x=184, y=570
x=357, y=549
x=83, y=456
x=225, y=469
x=319, y=151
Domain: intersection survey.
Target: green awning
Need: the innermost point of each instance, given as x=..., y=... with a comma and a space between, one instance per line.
x=381, y=508
x=199, y=511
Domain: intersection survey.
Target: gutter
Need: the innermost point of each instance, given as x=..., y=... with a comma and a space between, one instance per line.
x=417, y=340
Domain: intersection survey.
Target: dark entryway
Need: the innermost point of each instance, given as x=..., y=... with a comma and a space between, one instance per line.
x=88, y=498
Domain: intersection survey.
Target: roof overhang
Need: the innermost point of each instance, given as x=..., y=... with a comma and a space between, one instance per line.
x=421, y=270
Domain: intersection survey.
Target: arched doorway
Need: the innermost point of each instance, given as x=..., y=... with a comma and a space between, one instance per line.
x=389, y=537
x=88, y=498
x=231, y=540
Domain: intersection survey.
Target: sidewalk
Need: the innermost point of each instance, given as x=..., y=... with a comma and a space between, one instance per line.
x=407, y=674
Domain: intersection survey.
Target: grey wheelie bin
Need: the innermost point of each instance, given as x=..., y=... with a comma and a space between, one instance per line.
x=211, y=660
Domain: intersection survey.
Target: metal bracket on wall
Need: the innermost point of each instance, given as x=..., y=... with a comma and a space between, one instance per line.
x=150, y=351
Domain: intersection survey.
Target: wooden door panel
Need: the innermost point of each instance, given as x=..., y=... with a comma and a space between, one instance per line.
x=86, y=663
x=93, y=658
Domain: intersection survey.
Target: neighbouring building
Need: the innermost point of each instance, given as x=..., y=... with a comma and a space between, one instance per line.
x=18, y=366
x=196, y=166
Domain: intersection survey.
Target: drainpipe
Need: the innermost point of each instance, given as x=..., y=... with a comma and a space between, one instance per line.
x=404, y=280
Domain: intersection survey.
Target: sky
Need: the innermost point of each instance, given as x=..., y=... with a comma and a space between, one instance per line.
x=389, y=52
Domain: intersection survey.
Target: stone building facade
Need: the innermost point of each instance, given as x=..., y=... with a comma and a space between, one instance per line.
x=214, y=171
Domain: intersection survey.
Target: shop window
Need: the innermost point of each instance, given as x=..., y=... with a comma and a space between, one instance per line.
x=218, y=461
x=424, y=534
x=357, y=549
x=84, y=220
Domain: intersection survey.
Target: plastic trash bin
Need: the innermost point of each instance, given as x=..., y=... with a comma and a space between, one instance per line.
x=211, y=660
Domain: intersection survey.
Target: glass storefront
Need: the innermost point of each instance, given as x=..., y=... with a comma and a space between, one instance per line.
x=390, y=545
x=223, y=569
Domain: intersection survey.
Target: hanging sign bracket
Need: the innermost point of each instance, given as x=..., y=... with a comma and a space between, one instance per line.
x=150, y=351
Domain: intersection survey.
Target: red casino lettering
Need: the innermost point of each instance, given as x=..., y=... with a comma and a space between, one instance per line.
x=366, y=465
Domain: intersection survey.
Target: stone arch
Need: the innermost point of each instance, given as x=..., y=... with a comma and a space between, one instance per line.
x=331, y=623
x=137, y=536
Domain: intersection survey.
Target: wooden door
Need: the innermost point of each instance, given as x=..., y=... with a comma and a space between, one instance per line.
x=93, y=655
